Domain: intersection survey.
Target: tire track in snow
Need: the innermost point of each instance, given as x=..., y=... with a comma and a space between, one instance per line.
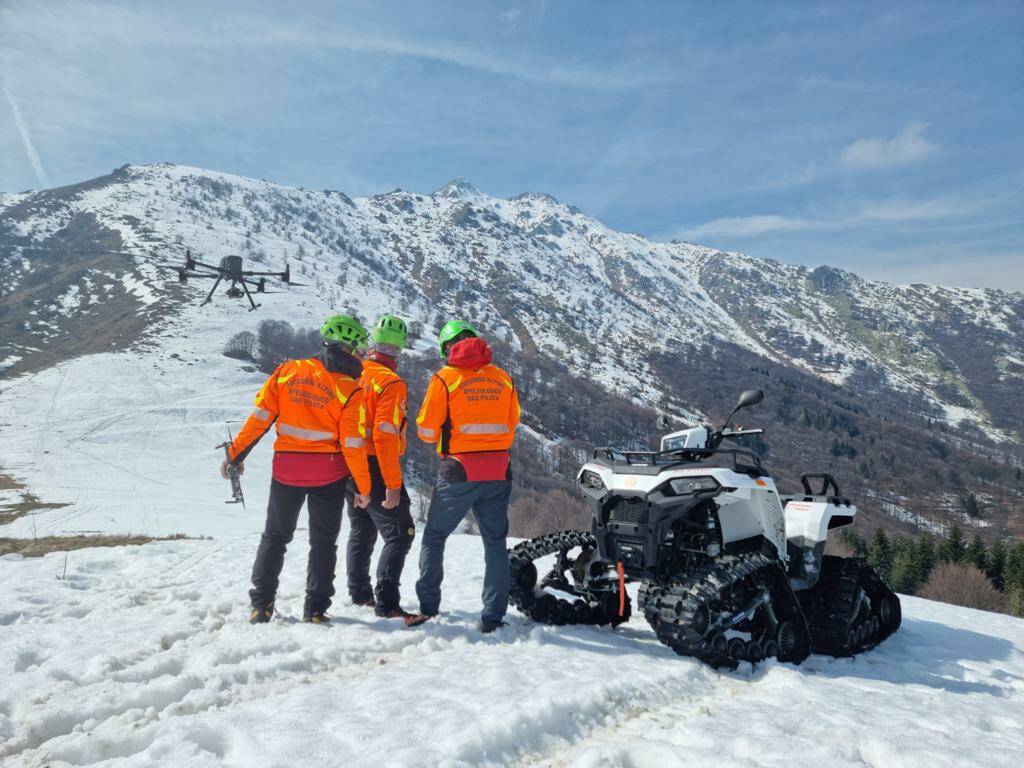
x=673, y=705
x=197, y=668
x=43, y=434
x=163, y=686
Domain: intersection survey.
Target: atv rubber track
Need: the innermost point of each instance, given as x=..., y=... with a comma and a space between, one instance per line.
x=678, y=611
x=839, y=624
x=547, y=608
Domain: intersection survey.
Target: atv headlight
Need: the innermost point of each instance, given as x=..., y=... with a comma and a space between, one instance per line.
x=591, y=480
x=690, y=486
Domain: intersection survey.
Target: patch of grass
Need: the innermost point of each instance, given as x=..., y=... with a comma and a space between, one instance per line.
x=45, y=544
x=8, y=483
x=29, y=501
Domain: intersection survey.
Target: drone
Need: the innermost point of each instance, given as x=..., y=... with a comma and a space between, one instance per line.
x=230, y=268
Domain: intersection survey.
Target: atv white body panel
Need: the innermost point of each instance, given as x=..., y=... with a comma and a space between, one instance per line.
x=808, y=522
x=748, y=506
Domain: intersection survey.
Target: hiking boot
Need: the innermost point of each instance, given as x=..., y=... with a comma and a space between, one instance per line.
x=261, y=614
x=487, y=627
x=317, y=617
x=368, y=603
x=410, y=619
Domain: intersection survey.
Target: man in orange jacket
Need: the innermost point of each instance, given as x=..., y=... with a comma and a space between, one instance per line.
x=389, y=511
x=470, y=412
x=321, y=443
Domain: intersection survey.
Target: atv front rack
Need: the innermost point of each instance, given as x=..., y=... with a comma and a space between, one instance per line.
x=679, y=456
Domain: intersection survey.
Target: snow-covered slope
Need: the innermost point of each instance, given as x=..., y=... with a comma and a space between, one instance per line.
x=142, y=657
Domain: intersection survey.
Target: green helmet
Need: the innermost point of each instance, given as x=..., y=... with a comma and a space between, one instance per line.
x=452, y=329
x=346, y=329
x=389, y=330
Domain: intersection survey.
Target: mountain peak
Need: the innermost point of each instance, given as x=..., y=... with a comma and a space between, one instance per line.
x=539, y=196
x=457, y=188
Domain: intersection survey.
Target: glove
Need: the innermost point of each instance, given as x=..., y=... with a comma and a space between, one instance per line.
x=361, y=500
x=392, y=497
x=240, y=466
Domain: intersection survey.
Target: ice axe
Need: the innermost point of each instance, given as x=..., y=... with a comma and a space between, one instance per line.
x=236, y=482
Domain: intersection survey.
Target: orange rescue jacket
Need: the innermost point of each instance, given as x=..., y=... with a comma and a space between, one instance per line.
x=316, y=410
x=468, y=409
x=385, y=396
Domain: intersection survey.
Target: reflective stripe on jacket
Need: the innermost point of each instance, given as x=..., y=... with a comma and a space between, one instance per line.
x=316, y=410
x=385, y=396
x=469, y=409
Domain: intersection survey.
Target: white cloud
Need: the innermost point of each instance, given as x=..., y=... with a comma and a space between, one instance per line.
x=968, y=266
x=132, y=28
x=26, y=138
x=746, y=226
x=906, y=147
x=903, y=210
x=891, y=211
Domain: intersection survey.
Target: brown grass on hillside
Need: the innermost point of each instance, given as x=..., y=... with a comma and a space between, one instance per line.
x=46, y=544
x=29, y=502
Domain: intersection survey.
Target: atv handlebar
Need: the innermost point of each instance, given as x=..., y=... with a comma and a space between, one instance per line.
x=717, y=436
x=741, y=432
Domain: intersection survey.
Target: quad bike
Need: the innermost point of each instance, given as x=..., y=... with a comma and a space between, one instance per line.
x=730, y=571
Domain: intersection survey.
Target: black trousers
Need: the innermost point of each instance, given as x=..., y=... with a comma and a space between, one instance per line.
x=325, y=504
x=397, y=529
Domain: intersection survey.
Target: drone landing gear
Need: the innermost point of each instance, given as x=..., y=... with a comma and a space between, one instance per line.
x=253, y=304
x=209, y=296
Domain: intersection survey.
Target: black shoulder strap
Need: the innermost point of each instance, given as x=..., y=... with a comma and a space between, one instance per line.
x=446, y=427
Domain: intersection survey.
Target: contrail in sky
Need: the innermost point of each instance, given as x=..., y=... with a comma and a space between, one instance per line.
x=26, y=139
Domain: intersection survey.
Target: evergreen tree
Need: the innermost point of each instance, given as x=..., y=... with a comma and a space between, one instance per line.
x=924, y=559
x=976, y=553
x=997, y=563
x=900, y=546
x=880, y=554
x=1013, y=575
x=951, y=550
x=971, y=506
x=904, y=567
x=854, y=541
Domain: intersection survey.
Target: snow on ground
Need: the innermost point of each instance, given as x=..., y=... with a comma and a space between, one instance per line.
x=127, y=439
x=142, y=656
x=130, y=450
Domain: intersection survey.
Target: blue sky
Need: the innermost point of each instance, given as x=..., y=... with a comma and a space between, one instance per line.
x=885, y=138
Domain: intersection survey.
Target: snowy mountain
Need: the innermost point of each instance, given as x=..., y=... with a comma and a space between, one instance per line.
x=532, y=270
x=932, y=372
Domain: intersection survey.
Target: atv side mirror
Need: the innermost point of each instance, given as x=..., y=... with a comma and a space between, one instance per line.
x=749, y=398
